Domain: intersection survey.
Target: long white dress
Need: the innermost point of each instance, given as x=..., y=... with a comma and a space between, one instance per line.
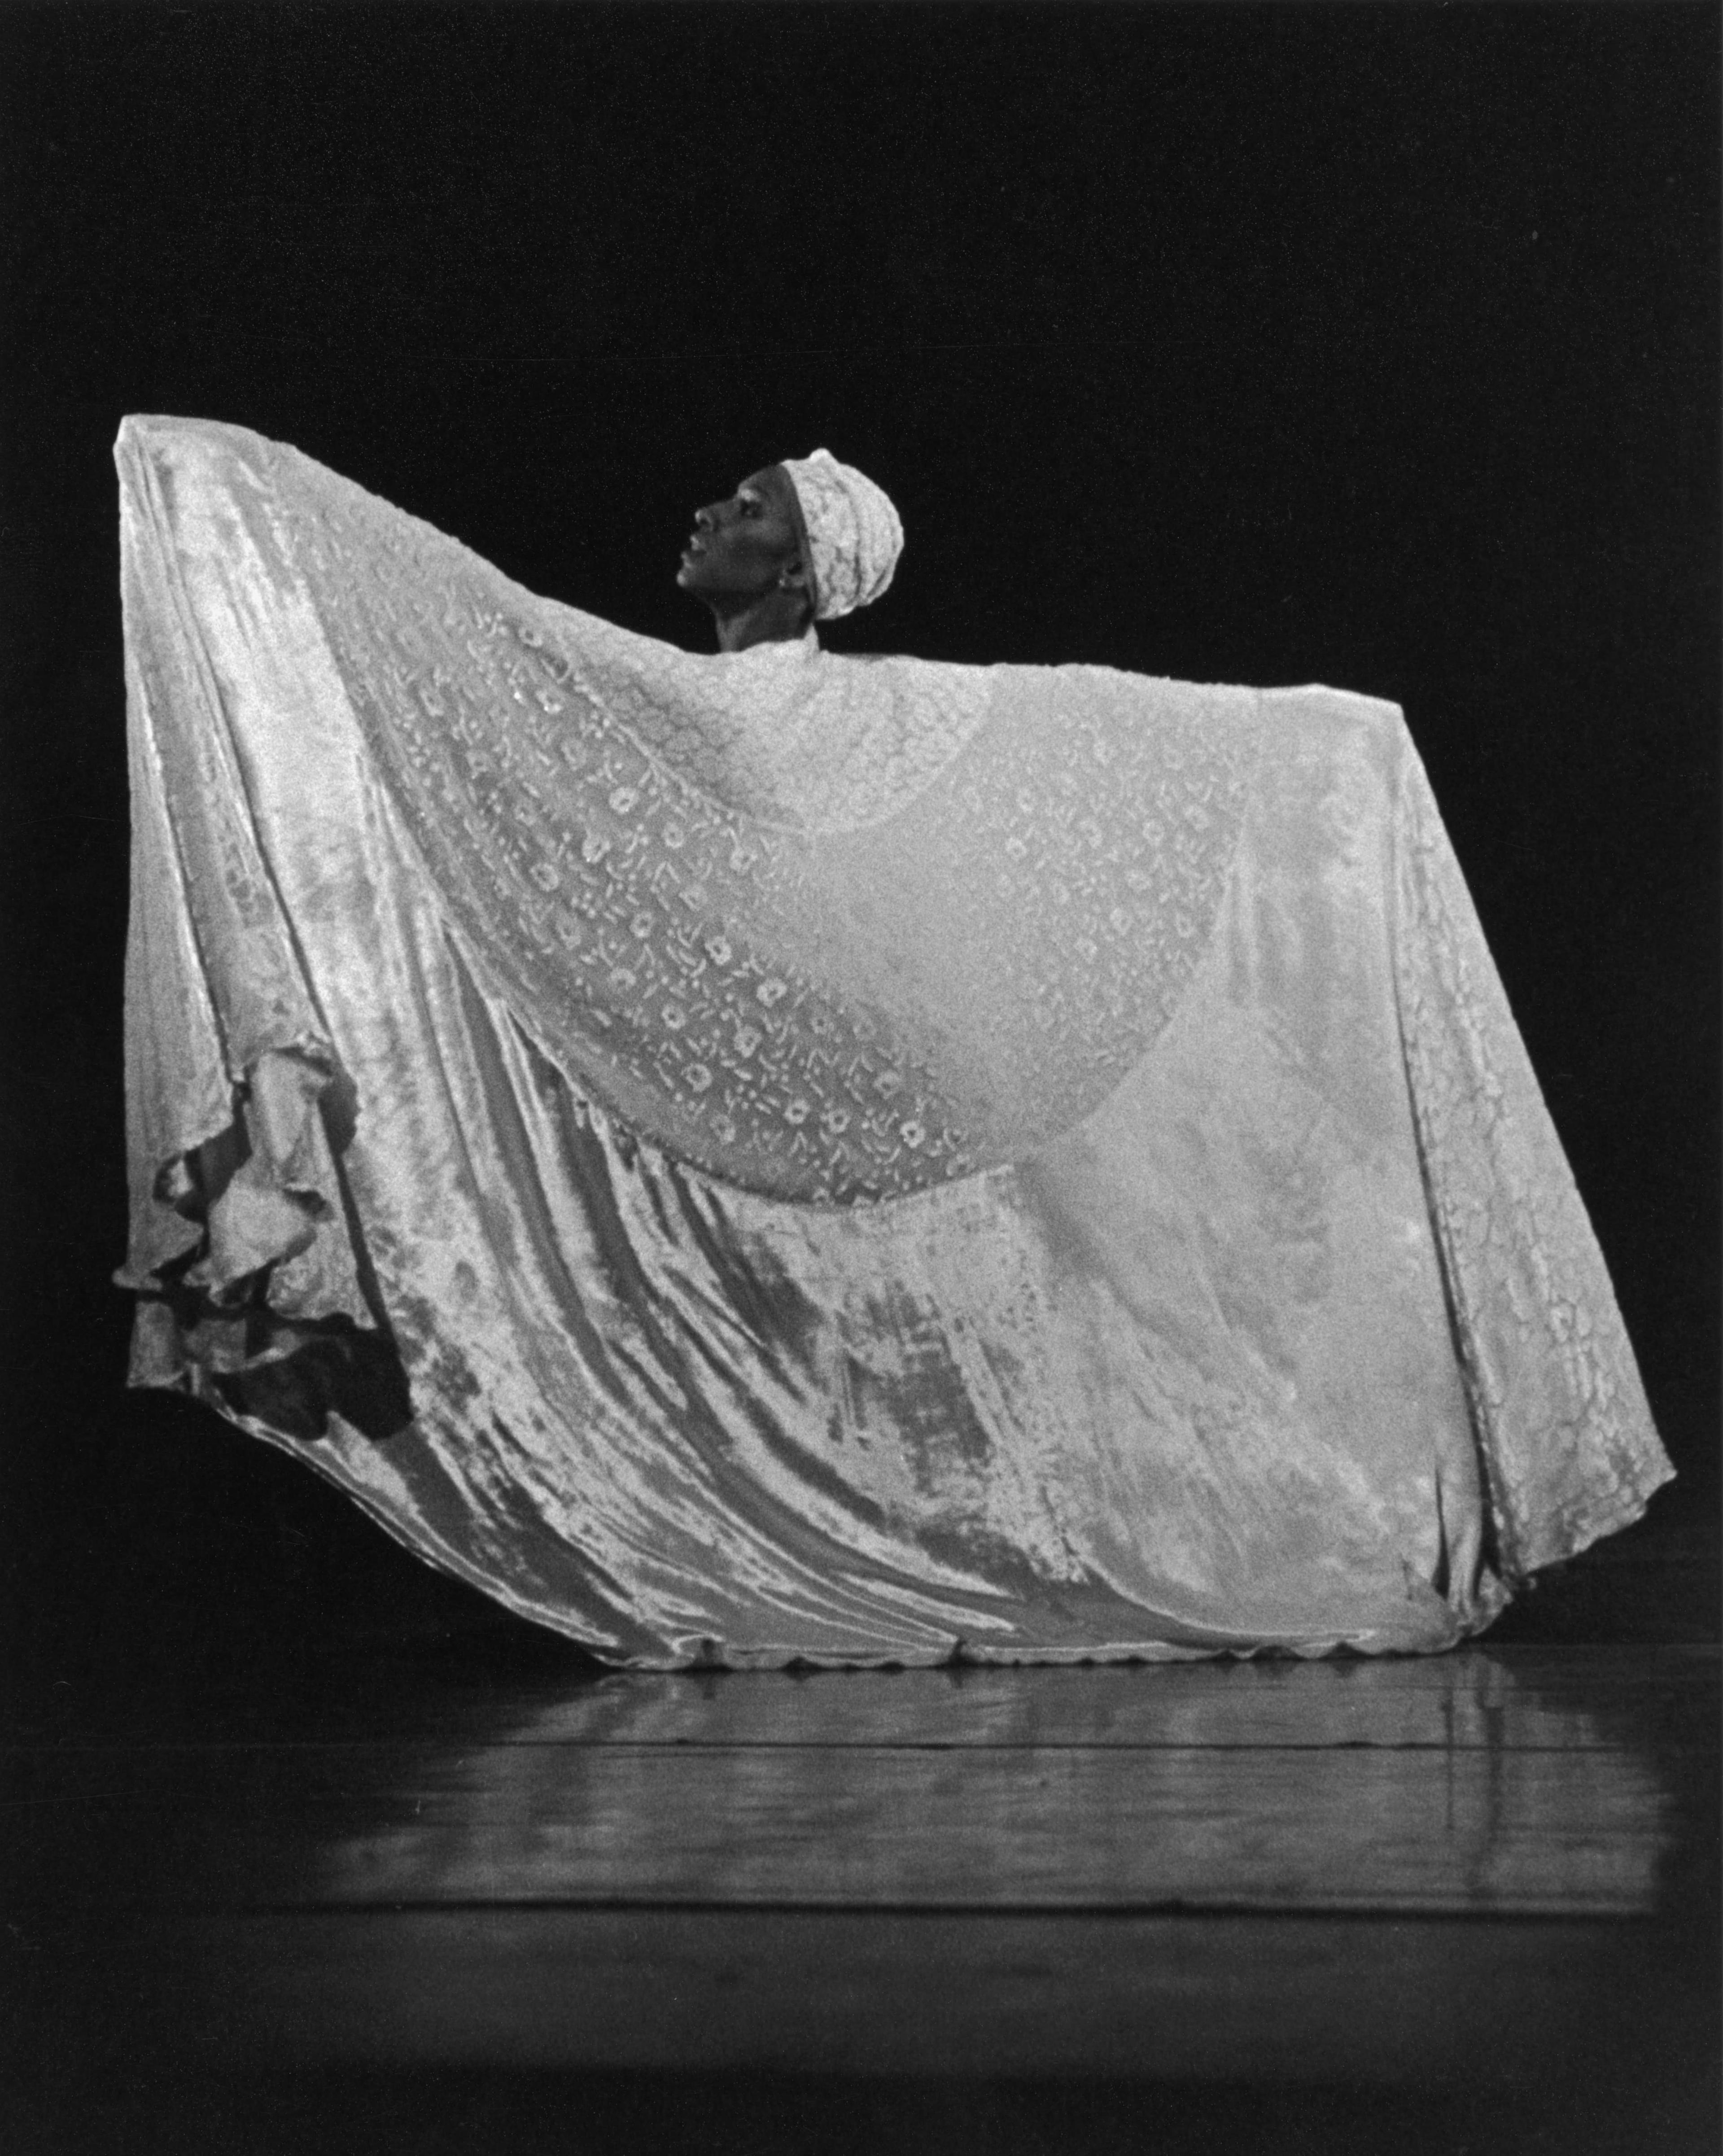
x=773, y=1157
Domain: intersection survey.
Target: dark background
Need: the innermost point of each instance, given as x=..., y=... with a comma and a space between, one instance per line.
x=1371, y=345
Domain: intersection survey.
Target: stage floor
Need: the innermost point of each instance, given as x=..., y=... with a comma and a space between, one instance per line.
x=489, y=1898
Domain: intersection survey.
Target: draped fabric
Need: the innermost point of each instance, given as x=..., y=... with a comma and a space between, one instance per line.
x=777, y=1155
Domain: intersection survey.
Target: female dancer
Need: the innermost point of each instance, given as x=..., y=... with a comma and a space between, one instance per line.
x=775, y=1157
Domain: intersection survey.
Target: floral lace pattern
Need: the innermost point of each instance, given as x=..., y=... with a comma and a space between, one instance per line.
x=834, y=929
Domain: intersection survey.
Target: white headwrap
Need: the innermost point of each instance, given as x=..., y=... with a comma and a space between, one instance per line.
x=854, y=535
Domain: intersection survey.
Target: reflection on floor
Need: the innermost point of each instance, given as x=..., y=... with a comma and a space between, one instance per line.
x=514, y=1902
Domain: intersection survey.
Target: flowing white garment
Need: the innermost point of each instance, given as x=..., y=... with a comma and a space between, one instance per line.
x=784, y=1156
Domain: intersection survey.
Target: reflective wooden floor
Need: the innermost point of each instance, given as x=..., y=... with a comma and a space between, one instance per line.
x=502, y=1900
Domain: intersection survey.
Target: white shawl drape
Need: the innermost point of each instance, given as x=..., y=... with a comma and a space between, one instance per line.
x=773, y=1156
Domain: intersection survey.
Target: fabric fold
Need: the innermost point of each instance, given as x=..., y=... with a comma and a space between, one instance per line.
x=775, y=1157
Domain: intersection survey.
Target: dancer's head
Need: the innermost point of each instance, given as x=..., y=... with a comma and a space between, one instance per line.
x=809, y=539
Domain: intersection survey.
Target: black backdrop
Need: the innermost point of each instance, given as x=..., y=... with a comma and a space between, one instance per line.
x=1375, y=345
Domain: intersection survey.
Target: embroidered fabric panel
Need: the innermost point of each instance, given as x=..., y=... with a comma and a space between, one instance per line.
x=833, y=929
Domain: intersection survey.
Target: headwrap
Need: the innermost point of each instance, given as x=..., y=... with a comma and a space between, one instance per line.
x=854, y=534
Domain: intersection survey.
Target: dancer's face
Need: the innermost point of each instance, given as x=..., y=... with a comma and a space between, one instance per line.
x=746, y=547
